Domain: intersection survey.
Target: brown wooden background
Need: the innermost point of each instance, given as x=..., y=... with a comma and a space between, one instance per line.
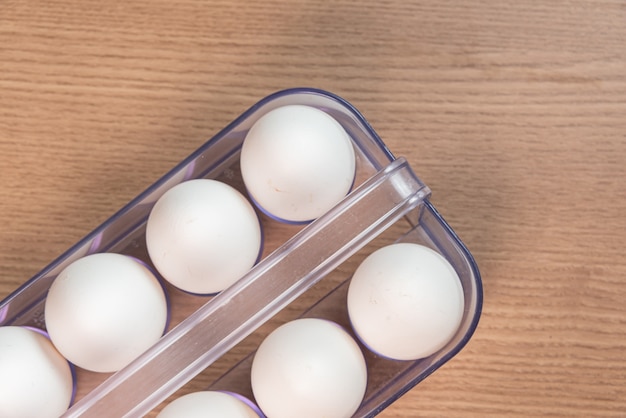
x=513, y=112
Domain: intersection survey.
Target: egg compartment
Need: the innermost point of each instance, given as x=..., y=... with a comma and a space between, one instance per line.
x=386, y=189
x=388, y=379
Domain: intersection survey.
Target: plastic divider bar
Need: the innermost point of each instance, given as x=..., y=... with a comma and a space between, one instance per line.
x=272, y=284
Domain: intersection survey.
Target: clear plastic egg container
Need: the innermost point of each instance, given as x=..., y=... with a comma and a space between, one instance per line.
x=388, y=203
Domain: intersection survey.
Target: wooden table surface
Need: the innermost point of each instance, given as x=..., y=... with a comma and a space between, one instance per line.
x=513, y=112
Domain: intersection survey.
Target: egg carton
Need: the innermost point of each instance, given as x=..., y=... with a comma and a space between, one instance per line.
x=387, y=197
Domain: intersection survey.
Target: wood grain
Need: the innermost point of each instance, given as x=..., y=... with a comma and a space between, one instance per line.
x=513, y=112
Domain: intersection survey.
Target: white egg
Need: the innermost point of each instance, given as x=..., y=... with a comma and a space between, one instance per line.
x=209, y=404
x=35, y=380
x=405, y=301
x=203, y=235
x=309, y=368
x=104, y=310
x=297, y=163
